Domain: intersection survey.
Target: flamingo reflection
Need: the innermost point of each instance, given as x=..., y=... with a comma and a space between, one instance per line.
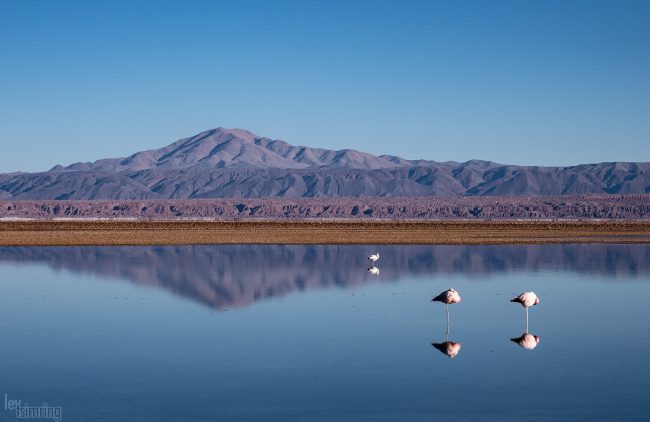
x=526, y=341
x=448, y=348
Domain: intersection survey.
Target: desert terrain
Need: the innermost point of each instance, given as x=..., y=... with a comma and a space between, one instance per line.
x=43, y=233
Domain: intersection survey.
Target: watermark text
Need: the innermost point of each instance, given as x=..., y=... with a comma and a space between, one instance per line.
x=23, y=410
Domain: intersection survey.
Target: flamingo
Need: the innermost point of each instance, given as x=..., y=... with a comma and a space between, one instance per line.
x=374, y=257
x=447, y=297
x=527, y=299
x=526, y=341
x=373, y=270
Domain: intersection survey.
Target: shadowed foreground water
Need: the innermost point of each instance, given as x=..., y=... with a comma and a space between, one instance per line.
x=305, y=333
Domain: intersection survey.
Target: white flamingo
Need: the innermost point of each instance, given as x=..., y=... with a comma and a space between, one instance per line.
x=373, y=270
x=448, y=297
x=526, y=299
x=374, y=257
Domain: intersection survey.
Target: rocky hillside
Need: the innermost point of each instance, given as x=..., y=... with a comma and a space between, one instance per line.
x=235, y=163
x=632, y=207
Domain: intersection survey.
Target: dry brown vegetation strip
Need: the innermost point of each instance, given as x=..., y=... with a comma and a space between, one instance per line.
x=360, y=232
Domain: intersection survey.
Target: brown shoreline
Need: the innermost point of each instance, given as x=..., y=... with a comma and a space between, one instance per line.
x=59, y=233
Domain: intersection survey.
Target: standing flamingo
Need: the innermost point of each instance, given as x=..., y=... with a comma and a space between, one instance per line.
x=447, y=297
x=374, y=257
x=527, y=299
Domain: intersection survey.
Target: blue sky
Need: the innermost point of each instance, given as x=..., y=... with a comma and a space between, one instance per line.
x=523, y=82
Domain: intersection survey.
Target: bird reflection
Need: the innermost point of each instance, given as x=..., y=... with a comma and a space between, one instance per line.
x=373, y=270
x=448, y=348
x=526, y=341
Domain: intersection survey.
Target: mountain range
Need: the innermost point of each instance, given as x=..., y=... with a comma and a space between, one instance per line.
x=235, y=163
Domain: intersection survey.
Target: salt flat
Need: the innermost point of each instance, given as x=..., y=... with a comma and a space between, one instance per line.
x=124, y=232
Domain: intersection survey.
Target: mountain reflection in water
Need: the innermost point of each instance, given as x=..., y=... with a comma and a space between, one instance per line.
x=225, y=276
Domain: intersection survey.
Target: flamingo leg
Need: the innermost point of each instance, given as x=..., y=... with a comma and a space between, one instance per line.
x=447, y=332
x=526, y=320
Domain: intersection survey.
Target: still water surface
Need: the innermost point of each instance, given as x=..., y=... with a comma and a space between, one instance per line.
x=305, y=333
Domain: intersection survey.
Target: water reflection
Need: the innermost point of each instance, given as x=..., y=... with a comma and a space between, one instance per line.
x=448, y=348
x=283, y=361
x=526, y=340
x=231, y=276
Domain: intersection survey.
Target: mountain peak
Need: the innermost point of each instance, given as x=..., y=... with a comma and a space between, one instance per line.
x=223, y=147
x=242, y=134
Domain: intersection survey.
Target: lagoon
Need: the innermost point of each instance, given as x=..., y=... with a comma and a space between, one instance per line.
x=305, y=333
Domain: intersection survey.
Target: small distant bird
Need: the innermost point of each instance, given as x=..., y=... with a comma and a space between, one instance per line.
x=448, y=297
x=527, y=341
x=448, y=348
x=373, y=270
x=374, y=257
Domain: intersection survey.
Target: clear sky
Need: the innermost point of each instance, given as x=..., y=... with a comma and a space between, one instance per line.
x=522, y=82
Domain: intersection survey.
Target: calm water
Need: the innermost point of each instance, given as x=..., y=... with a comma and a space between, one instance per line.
x=305, y=333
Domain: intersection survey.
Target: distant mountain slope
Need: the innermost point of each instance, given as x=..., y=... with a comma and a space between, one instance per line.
x=222, y=148
x=223, y=163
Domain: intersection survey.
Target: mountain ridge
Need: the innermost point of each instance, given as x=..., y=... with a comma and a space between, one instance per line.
x=221, y=148
x=234, y=163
